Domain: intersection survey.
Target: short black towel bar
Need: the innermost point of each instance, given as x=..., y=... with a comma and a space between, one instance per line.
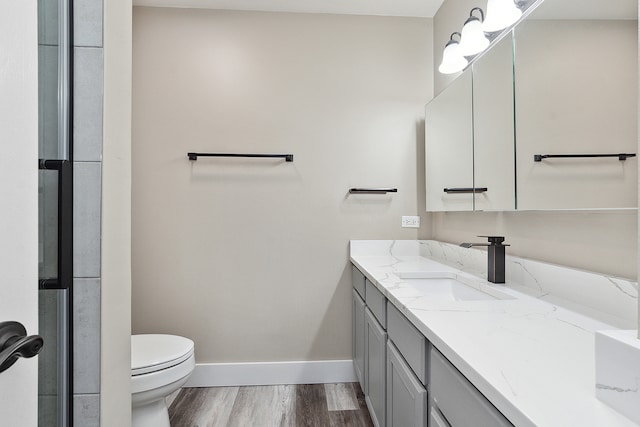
x=286, y=157
x=466, y=190
x=372, y=190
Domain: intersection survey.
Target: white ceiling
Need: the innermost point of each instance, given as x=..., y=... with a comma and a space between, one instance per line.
x=418, y=8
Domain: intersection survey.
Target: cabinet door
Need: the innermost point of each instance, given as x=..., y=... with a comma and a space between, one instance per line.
x=568, y=103
x=358, y=337
x=375, y=369
x=449, y=148
x=406, y=397
x=493, y=129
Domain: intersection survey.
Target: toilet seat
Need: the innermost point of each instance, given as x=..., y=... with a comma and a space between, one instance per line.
x=160, y=365
x=155, y=352
x=159, y=360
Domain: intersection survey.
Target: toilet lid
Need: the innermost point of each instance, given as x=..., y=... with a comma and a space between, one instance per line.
x=153, y=352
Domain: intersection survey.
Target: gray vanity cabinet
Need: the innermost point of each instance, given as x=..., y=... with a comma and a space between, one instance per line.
x=455, y=401
x=375, y=369
x=369, y=324
x=358, y=337
x=406, y=381
x=406, y=396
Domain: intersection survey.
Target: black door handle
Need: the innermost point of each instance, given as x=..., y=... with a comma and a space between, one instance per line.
x=65, y=224
x=15, y=343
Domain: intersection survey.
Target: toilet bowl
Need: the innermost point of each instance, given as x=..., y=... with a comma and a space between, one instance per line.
x=160, y=365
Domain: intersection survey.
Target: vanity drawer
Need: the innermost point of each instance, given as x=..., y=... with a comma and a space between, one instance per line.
x=377, y=303
x=413, y=346
x=459, y=401
x=357, y=280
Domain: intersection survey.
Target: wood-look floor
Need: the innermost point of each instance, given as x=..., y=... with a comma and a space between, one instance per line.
x=307, y=405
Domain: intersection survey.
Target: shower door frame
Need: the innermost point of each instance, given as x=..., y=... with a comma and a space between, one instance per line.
x=64, y=167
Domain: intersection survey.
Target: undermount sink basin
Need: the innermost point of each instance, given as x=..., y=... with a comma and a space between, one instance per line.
x=445, y=286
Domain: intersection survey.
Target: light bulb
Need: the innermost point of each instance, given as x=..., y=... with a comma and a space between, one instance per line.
x=452, y=60
x=500, y=15
x=472, y=39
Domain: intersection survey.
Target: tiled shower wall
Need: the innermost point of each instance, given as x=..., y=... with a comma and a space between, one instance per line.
x=87, y=134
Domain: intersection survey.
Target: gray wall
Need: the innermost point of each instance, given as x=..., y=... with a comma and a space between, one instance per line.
x=602, y=241
x=248, y=257
x=87, y=134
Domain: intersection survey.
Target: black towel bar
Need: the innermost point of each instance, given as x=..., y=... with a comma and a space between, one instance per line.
x=286, y=157
x=466, y=190
x=372, y=190
x=620, y=156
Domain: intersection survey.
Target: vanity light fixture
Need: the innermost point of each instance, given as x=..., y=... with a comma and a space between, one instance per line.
x=500, y=15
x=452, y=59
x=472, y=38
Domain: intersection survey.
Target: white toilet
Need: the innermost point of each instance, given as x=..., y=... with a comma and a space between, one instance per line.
x=160, y=365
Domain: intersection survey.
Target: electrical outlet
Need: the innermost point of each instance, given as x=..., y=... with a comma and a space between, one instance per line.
x=411, y=221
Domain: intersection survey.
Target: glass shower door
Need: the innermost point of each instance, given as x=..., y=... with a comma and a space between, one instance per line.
x=55, y=385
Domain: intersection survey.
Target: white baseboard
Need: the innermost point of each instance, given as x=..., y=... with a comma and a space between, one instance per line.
x=272, y=373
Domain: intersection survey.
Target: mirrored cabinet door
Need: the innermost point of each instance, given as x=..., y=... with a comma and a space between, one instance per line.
x=550, y=113
x=493, y=128
x=449, y=148
x=576, y=93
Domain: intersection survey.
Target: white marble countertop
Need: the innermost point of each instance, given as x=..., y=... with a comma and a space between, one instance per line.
x=535, y=361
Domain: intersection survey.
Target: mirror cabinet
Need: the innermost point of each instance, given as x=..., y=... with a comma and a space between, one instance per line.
x=493, y=128
x=449, y=161
x=562, y=82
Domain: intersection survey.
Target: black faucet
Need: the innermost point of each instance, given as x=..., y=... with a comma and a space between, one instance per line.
x=496, y=257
